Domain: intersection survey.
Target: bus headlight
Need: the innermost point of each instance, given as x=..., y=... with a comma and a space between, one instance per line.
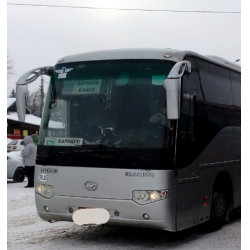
x=145, y=197
x=46, y=191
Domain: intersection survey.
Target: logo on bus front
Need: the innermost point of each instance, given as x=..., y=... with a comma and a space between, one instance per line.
x=43, y=177
x=90, y=185
x=62, y=73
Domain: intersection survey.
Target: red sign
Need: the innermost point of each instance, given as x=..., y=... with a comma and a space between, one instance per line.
x=16, y=132
x=13, y=137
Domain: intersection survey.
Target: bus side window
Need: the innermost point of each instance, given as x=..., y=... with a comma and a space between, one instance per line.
x=233, y=114
x=216, y=84
x=236, y=88
x=187, y=117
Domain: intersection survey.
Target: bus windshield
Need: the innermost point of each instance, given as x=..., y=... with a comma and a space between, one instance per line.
x=114, y=104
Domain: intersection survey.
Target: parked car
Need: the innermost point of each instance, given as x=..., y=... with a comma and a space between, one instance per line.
x=15, y=145
x=8, y=140
x=15, y=168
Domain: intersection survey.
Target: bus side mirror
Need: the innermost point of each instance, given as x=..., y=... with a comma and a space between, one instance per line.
x=173, y=88
x=21, y=92
x=22, y=88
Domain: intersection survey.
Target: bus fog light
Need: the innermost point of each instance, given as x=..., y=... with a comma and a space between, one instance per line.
x=71, y=210
x=144, y=197
x=146, y=216
x=116, y=213
x=46, y=208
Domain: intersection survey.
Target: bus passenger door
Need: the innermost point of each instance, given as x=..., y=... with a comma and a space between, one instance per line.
x=187, y=211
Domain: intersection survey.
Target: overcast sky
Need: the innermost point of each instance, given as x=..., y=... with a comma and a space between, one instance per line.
x=39, y=36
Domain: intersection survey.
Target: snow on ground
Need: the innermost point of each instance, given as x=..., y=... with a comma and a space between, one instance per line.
x=26, y=230
x=10, y=101
x=15, y=155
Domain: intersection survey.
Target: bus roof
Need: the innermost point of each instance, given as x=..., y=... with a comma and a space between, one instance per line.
x=158, y=54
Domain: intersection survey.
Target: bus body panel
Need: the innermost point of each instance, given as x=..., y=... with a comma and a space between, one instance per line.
x=197, y=180
x=112, y=183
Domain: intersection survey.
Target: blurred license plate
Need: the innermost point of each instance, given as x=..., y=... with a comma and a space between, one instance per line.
x=89, y=208
x=90, y=216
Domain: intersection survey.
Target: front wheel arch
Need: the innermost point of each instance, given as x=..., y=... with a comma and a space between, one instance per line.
x=223, y=181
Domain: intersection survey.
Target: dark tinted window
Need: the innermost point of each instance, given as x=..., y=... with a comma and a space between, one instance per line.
x=185, y=144
x=217, y=119
x=191, y=82
x=216, y=84
x=233, y=117
x=217, y=90
x=22, y=143
x=236, y=88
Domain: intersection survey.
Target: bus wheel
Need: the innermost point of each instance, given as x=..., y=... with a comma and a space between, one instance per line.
x=19, y=175
x=220, y=204
x=219, y=207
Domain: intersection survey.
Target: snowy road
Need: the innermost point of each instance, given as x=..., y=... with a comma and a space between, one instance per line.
x=27, y=231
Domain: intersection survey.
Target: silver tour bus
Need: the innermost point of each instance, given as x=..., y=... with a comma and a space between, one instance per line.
x=153, y=136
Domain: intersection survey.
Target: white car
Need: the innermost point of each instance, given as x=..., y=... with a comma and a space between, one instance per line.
x=15, y=168
x=15, y=145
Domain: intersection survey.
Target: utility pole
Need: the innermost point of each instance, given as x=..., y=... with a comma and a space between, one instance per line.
x=42, y=95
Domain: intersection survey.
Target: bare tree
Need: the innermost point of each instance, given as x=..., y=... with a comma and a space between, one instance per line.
x=10, y=66
x=34, y=102
x=12, y=94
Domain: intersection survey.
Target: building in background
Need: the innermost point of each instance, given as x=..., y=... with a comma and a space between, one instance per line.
x=17, y=129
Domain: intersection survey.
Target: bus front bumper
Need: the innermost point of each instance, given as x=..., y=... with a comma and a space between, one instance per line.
x=162, y=213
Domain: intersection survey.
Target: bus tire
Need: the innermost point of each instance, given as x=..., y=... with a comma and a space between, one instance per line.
x=19, y=175
x=221, y=199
